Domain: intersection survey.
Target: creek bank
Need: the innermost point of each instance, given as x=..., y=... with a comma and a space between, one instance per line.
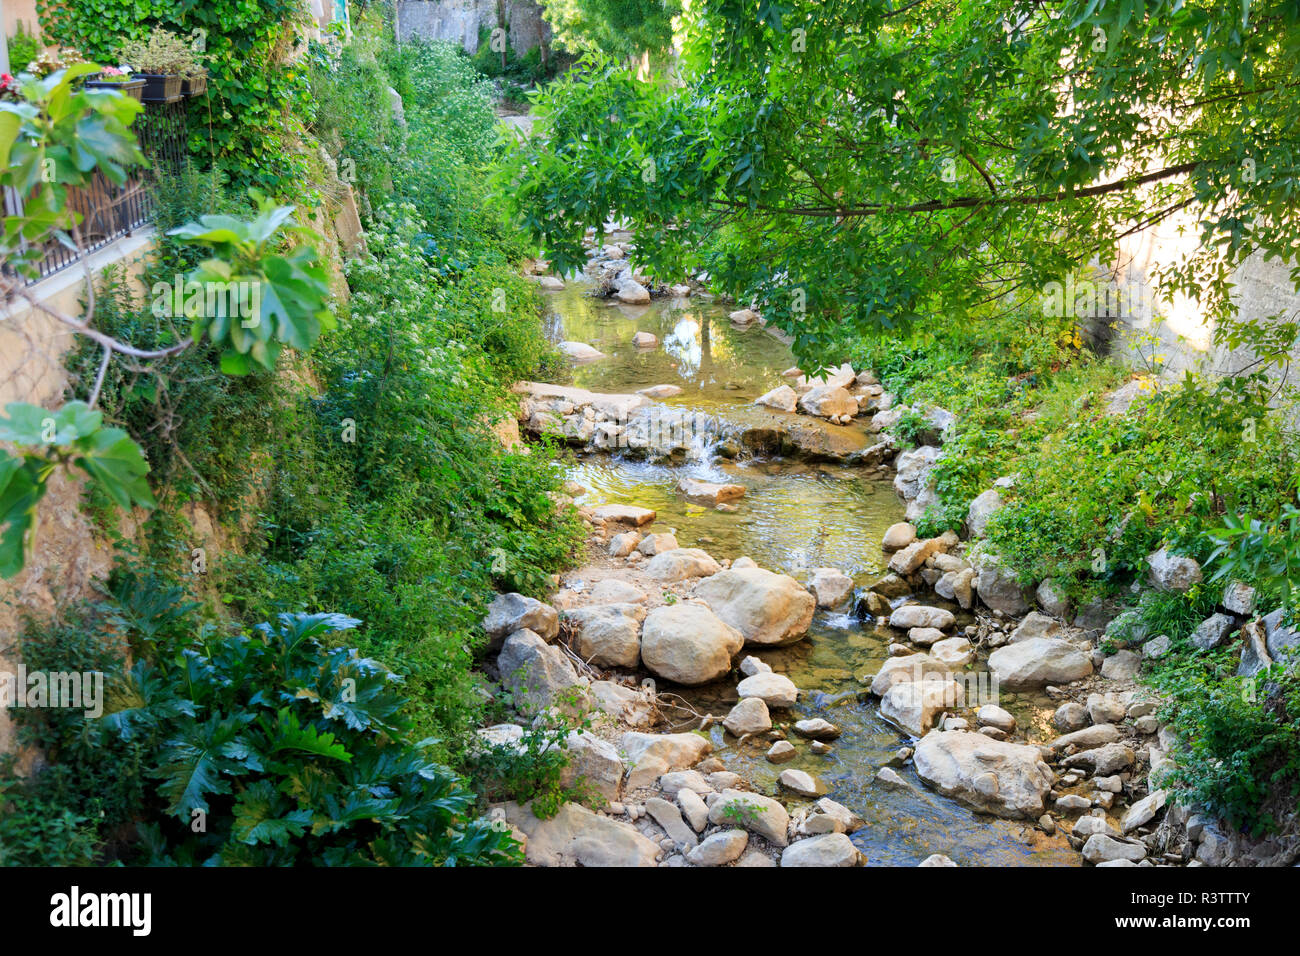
x=1092, y=780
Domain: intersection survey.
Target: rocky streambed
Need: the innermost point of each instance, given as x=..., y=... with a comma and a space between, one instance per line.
x=779, y=670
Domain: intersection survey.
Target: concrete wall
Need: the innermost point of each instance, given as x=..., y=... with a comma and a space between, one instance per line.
x=1140, y=328
x=460, y=21
x=65, y=559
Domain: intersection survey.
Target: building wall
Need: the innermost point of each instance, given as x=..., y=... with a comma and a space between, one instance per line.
x=65, y=558
x=460, y=21
x=14, y=12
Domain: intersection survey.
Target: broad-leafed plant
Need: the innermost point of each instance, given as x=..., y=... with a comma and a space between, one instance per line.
x=283, y=747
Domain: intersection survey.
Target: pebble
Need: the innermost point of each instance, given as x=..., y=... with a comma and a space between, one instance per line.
x=781, y=751
x=817, y=729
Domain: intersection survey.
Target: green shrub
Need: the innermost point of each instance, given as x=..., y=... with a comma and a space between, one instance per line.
x=1240, y=757
x=1094, y=498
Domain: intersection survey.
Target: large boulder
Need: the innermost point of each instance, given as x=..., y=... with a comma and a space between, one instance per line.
x=709, y=491
x=719, y=849
x=828, y=401
x=992, y=776
x=898, y=536
x=516, y=612
x=580, y=351
x=650, y=756
x=913, y=469
x=1036, y=625
x=577, y=837
x=1101, y=848
x=1210, y=633
x=609, y=636
x=831, y=586
x=1280, y=640
x=623, y=514
x=775, y=690
x=827, y=816
x=754, y=812
x=688, y=643
x=957, y=586
x=1172, y=572
x=631, y=292
x=829, y=849
x=981, y=509
x=1037, y=662
x=623, y=703
x=914, y=705
x=539, y=676
x=681, y=564
x=767, y=608
x=998, y=588
x=783, y=398
x=912, y=556
x=919, y=615
x=614, y=591
x=906, y=669
x=750, y=716
x=593, y=764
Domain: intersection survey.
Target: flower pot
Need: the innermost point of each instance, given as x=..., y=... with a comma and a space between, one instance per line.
x=195, y=85
x=160, y=87
x=133, y=88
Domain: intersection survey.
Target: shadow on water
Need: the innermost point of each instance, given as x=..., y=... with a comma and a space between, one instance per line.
x=795, y=516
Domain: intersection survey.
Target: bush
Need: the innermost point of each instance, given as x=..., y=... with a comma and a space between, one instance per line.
x=1097, y=496
x=275, y=746
x=1241, y=753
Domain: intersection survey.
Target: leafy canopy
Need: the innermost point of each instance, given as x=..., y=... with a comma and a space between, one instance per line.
x=856, y=165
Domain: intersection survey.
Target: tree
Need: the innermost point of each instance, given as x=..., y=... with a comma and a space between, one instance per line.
x=856, y=165
x=621, y=28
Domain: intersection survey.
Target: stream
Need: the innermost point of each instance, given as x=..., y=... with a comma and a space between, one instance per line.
x=794, y=517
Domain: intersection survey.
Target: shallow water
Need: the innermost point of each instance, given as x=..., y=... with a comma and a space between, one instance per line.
x=794, y=517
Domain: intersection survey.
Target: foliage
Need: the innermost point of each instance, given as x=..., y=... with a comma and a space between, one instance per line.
x=263, y=300
x=1164, y=473
x=199, y=430
x=248, y=299
x=162, y=52
x=274, y=747
x=56, y=136
x=23, y=48
x=73, y=436
x=80, y=801
x=530, y=769
x=902, y=190
x=622, y=28
x=389, y=498
x=250, y=131
x=1265, y=553
x=292, y=751
x=1241, y=754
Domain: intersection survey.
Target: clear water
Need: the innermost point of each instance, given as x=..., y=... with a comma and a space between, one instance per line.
x=794, y=517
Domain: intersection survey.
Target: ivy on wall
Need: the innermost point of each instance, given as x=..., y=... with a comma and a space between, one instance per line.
x=246, y=125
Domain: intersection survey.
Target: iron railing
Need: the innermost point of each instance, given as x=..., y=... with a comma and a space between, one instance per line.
x=108, y=211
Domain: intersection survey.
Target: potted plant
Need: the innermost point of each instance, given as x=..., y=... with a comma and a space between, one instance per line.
x=115, y=78
x=163, y=61
x=194, y=82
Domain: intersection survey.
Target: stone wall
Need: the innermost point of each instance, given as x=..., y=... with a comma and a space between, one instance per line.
x=1132, y=325
x=460, y=21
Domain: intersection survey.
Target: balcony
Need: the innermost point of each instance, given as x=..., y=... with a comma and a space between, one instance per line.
x=108, y=211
